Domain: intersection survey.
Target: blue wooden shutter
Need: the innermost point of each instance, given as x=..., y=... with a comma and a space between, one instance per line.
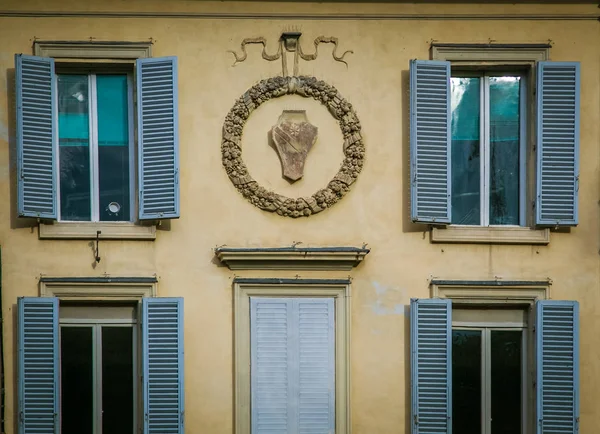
x=292, y=353
x=430, y=141
x=158, y=138
x=557, y=143
x=38, y=365
x=316, y=365
x=557, y=352
x=36, y=132
x=162, y=339
x=431, y=366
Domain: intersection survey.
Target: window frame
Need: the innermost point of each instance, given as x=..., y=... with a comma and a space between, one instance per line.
x=96, y=324
x=339, y=290
x=497, y=294
x=117, y=54
x=515, y=57
x=485, y=143
x=92, y=72
x=527, y=360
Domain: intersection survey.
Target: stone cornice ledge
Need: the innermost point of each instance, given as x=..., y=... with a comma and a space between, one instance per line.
x=291, y=258
x=490, y=235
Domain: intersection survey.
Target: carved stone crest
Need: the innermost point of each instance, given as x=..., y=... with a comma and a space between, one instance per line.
x=293, y=137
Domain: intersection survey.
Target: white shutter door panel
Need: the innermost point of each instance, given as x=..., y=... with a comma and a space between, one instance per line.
x=292, y=346
x=270, y=364
x=316, y=344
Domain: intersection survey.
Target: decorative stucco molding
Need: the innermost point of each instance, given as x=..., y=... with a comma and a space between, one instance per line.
x=340, y=109
x=291, y=258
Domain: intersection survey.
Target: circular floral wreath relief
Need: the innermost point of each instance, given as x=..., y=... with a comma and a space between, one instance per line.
x=308, y=87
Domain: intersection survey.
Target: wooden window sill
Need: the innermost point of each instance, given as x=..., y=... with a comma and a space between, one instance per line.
x=490, y=235
x=88, y=231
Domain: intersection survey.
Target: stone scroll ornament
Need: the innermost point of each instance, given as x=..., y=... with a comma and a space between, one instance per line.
x=308, y=87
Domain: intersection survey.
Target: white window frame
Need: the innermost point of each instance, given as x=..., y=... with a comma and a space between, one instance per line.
x=93, y=148
x=96, y=324
x=486, y=327
x=512, y=56
x=498, y=294
x=485, y=143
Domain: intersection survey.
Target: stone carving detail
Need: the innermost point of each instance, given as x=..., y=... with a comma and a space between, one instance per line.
x=340, y=109
x=293, y=137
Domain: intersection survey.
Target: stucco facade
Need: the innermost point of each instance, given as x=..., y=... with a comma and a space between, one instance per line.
x=375, y=212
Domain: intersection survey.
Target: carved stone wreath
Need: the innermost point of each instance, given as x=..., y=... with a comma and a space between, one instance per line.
x=340, y=109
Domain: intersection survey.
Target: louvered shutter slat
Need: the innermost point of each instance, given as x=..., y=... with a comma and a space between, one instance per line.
x=36, y=130
x=158, y=138
x=162, y=338
x=430, y=141
x=316, y=365
x=271, y=357
x=431, y=365
x=557, y=341
x=38, y=365
x=557, y=143
x=292, y=346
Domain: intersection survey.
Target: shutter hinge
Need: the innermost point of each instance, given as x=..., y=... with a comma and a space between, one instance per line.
x=21, y=417
x=182, y=416
x=416, y=419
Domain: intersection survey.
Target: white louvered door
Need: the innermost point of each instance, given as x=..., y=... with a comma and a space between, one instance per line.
x=292, y=365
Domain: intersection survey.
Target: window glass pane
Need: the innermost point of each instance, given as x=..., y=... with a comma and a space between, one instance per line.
x=506, y=381
x=74, y=147
x=113, y=147
x=77, y=380
x=465, y=150
x=466, y=382
x=117, y=380
x=504, y=150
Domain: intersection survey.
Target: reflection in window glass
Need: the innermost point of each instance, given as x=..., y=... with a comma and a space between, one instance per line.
x=77, y=380
x=113, y=147
x=117, y=380
x=74, y=147
x=506, y=381
x=466, y=381
x=504, y=150
x=465, y=150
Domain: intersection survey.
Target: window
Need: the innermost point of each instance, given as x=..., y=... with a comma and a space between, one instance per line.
x=487, y=148
x=98, y=373
x=489, y=371
x=95, y=142
x=470, y=368
x=291, y=357
x=79, y=366
x=470, y=138
x=75, y=142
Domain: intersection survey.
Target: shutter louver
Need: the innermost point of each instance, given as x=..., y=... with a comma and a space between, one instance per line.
x=158, y=138
x=316, y=395
x=557, y=143
x=431, y=366
x=38, y=365
x=430, y=141
x=36, y=131
x=292, y=342
x=270, y=364
x=557, y=341
x=162, y=338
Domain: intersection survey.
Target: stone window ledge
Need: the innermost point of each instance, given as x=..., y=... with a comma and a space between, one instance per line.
x=490, y=235
x=89, y=230
x=291, y=258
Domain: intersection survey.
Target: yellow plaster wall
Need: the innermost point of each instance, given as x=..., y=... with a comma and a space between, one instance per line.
x=376, y=210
